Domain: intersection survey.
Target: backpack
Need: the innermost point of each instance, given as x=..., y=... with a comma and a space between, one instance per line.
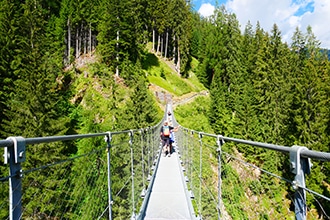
x=172, y=136
x=166, y=131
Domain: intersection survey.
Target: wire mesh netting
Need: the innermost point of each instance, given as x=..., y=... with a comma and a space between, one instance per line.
x=108, y=179
x=228, y=184
x=83, y=185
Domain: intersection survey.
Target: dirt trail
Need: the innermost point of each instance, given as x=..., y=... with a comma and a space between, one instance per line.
x=188, y=98
x=164, y=96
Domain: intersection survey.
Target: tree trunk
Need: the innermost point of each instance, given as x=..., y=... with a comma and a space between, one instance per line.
x=85, y=40
x=174, y=49
x=117, y=56
x=179, y=60
x=145, y=34
x=80, y=36
x=166, y=45
x=77, y=42
x=69, y=41
x=161, y=46
x=153, y=40
x=158, y=44
x=90, y=39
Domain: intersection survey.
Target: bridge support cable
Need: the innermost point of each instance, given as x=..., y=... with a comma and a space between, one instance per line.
x=148, y=153
x=87, y=176
x=108, y=139
x=219, y=142
x=190, y=151
x=188, y=158
x=132, y=172
x=143, y=146
x=200, y=175
x=301, y=167
x=153, y=140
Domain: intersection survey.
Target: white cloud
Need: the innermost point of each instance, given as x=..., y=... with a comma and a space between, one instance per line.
x=287, y=14
x=318, y=20
x=206, y=10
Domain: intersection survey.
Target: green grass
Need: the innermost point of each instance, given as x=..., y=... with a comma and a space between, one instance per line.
x=194, y=115
x=159, y=73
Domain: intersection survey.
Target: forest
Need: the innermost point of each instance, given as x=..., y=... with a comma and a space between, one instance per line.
x=261, y=88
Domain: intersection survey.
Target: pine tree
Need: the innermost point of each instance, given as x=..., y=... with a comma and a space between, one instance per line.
x=120, y=32
x=196, y=34
x=140, y=111
x=157, y=11
x=280, y=96
x=309, y=111
x=36, y=107
x=205, y=69
x=228, y=72
x=10, y=34
x=181, y=21
x=247, y=120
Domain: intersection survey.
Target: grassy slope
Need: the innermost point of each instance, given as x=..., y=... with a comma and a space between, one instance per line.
x=173, y=83
x=161, y=72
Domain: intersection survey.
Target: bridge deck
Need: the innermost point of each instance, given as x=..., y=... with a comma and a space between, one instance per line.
x=168, y=199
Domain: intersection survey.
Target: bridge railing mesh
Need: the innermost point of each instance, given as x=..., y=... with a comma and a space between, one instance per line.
x=225, y=184
x=78, y=187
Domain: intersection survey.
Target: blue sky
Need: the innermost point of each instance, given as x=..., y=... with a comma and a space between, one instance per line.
x=287, y=14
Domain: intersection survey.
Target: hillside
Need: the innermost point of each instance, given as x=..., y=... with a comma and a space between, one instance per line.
x=164, y=81
x=167, y=85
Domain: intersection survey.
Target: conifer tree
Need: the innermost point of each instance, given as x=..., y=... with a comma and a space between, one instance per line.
x=181, y=23
x=10, y=33
x=140, y=111
x=196, y=37
x=280, y=96
x=309, y=110
x=36, y=107
x=157, y=11
x=120, y=32
x=9, y=37
x=308, y=105
x=248, y=121
x=228, y=71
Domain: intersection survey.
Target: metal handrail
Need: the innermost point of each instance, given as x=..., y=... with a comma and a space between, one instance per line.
x=39, y=140
x=317, y=155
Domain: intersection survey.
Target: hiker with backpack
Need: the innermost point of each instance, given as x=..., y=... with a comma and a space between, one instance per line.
x=165, y=133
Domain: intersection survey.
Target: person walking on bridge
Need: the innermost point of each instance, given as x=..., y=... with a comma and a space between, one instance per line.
x=165, y=133
x=172, y=139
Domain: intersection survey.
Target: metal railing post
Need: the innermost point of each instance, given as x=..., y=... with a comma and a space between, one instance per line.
x=15, y=155
x=108, y=139
x=300, y=166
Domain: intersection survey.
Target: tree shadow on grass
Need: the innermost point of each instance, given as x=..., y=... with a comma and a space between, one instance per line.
x=149, y=61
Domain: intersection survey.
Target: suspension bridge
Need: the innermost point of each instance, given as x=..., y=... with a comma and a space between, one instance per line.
x=124, y=175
